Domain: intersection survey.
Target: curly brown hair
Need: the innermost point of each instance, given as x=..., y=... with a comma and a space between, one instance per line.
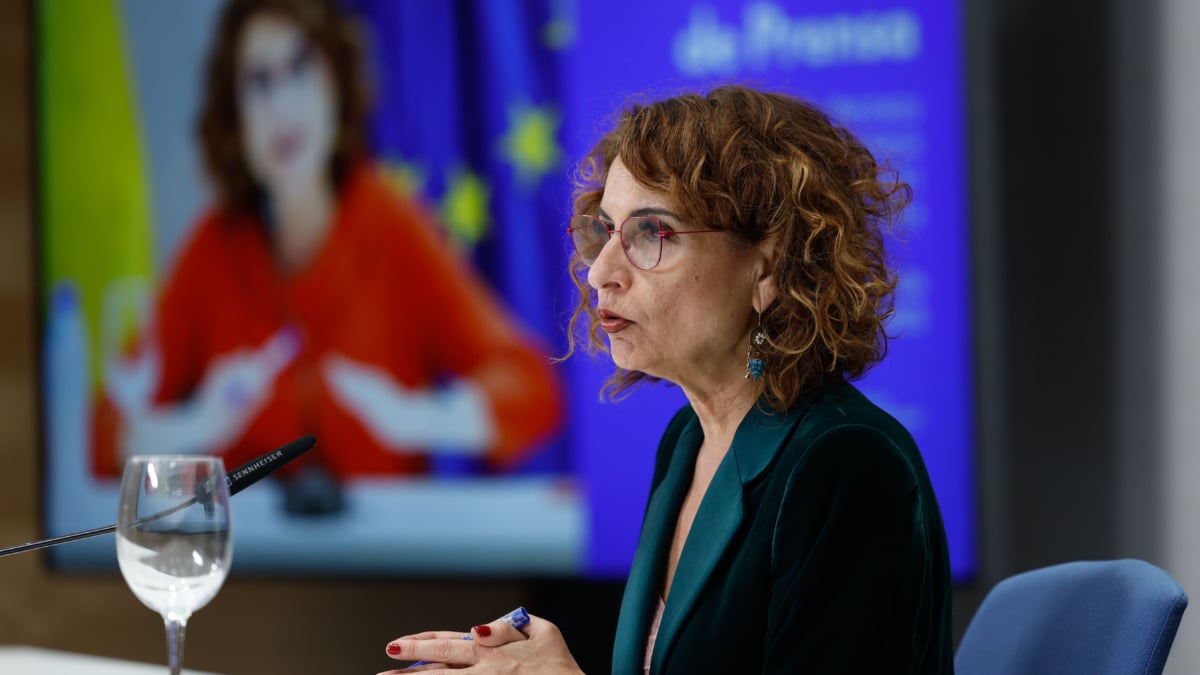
x=339, y=39
x=767, y=166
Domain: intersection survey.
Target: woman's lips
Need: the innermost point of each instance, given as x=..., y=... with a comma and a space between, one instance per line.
x=287, y=146
x=611, y=322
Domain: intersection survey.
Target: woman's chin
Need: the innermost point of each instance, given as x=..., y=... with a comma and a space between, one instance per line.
x=292, y=179
x=629, y=362
x=622, y=355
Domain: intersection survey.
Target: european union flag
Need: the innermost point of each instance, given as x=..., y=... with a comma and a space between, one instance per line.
x=468, y=116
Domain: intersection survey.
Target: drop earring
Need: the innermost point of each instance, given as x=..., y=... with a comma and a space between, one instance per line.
x=754, y=356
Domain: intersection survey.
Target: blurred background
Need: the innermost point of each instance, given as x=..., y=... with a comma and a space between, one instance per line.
x=478, y=112
x=1080, y=137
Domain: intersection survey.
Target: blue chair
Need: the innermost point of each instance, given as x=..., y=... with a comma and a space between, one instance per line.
x=1114, y=617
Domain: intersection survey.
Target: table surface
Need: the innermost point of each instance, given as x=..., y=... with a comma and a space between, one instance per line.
x=20, y=660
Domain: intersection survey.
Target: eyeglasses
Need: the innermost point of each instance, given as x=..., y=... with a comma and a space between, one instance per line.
x=260, y=81
x=641, y=238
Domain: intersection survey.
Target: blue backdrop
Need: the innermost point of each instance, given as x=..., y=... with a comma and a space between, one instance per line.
x=483, y=105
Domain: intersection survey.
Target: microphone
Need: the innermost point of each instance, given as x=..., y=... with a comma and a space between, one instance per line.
x=239, y=479
x=256, y=469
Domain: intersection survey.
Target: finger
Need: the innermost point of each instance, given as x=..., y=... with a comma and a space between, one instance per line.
x=281, y=349
x=435, y=635
x=497, y=633
x=352, y=382
x=456, y=652
x=333, y=363
x=427, y=669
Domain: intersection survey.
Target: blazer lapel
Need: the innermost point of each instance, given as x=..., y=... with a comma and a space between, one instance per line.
x=643, y=587
x=756, y=443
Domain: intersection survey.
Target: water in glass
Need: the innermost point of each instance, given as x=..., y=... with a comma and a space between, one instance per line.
x=173, y=537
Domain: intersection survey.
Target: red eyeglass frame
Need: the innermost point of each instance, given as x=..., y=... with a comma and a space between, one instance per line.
x=625, y=246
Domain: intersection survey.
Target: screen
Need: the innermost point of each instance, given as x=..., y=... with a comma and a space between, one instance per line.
x=167, y=329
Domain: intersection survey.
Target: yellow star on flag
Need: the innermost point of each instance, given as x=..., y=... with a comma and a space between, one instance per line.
x=465, y=207
x=560, y=30
x=531, y=143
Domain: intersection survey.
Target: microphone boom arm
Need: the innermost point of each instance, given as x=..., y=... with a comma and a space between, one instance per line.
x=239, y=479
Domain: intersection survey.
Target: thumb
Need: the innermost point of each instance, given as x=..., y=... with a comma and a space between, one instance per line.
x=504, y=630
x=280, y=349
x=496, y=633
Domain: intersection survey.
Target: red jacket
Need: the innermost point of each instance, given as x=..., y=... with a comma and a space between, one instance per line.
x=384, y=291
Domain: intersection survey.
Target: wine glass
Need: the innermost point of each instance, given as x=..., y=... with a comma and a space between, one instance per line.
x=173, y=537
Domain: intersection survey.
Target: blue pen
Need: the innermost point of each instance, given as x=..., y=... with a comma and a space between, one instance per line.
x=518, y=618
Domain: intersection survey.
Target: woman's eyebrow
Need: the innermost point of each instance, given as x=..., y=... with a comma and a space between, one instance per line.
x=655, y=211
x=643, y=212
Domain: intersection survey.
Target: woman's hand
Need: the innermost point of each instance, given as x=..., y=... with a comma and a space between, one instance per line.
x=496, y=647
x=452, y=420
x=235, y=388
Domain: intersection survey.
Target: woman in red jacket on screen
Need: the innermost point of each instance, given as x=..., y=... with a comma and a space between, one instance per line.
x=311, y=299
x=733, y=243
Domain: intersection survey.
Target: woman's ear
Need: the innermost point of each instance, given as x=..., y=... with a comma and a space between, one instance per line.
x=765, y=290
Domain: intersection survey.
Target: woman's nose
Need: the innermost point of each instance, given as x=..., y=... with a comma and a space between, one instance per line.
x=611, y=267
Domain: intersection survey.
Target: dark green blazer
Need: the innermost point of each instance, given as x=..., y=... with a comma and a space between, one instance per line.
x=818, y=548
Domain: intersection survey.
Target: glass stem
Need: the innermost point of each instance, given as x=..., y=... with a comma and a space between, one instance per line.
x=175, y=634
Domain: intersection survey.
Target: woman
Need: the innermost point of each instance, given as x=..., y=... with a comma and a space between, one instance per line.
x=733, y=245
x=311, y=299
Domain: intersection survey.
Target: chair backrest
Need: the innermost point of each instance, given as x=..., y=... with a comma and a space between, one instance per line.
x=1098, y=617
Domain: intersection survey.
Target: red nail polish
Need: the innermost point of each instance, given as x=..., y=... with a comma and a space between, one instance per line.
x=393, y=649
x=483, y=631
